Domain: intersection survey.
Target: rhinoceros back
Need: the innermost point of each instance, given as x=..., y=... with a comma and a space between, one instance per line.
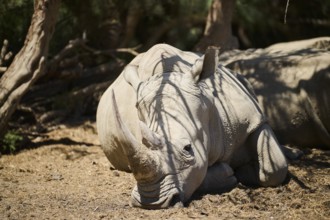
x=164, y=58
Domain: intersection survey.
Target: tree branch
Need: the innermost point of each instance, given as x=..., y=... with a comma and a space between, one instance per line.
x=167, y=26
x=29, y=63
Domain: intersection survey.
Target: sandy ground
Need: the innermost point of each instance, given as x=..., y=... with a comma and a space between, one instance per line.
x=67, y=176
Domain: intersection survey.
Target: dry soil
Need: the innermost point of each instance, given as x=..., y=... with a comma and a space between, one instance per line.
x=67, y=176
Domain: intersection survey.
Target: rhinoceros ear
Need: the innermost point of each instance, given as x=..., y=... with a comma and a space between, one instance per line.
x=196, y=69
x=210, y=63
x=131, y=76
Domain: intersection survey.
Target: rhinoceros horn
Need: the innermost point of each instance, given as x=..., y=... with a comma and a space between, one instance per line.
x=141, y=160
x=150, y=138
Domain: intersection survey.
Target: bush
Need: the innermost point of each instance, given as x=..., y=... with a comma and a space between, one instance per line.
x=11, y=142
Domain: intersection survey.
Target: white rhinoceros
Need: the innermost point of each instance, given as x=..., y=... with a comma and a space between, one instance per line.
x=180, y=123
x=292, y=84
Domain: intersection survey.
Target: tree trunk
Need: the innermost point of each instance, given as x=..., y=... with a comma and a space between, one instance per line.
x=29, y=63
x=132, y=20
x=218, y=30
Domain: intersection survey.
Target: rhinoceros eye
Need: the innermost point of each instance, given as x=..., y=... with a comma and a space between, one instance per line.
x=187, y=154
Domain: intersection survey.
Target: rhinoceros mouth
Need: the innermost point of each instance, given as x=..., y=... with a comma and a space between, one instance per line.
x=154, y=203
x=156, y=196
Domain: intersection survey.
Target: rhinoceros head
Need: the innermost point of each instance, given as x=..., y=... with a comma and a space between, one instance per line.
x=169, y=163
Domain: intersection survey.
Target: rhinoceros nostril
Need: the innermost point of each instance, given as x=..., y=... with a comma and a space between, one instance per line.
x=176, y=202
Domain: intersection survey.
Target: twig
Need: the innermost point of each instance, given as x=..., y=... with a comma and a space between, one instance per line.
x=3, y=51
x=128, y=50
x=286, y=10
x=4, y=55
x=3, y=69
x=131, y=50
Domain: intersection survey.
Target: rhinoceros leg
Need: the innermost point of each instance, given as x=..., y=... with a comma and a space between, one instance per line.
x=268, y=166
x=220, y=177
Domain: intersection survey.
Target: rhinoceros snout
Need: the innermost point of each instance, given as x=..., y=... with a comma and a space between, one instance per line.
x=153, y=200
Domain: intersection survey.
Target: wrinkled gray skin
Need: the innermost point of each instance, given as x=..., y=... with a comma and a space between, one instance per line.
x=292, y=84
x=180, y=123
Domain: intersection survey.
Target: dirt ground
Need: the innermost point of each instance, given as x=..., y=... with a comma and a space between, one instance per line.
x=67, y=176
